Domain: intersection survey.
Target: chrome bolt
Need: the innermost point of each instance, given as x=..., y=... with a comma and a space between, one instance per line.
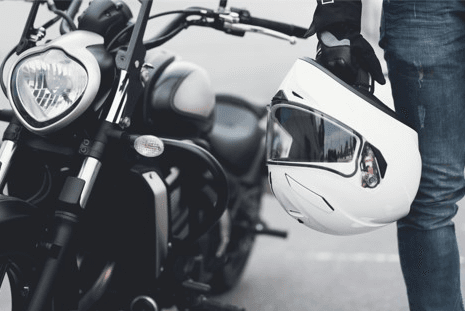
x=125, y=122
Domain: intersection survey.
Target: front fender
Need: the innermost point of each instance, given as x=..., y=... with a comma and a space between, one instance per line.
x=21, y=223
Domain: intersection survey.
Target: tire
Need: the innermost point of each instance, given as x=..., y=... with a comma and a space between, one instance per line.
x=229, y=275
x=18, y=277
x=244, y=209
x=19, y=274
x=241, y=243
x=21, y=228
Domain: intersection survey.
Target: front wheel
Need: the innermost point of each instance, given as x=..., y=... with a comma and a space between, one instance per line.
x=18, y=276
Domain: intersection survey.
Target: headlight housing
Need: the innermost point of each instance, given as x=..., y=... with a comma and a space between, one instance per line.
x=47, y=85
x=52, y=85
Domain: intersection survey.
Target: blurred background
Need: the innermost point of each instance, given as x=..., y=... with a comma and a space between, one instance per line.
x=252, y=66
x=308, y=270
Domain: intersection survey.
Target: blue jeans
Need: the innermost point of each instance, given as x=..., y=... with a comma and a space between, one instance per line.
x=424, y=45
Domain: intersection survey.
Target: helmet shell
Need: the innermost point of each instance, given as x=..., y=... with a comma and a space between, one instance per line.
x=325, y=196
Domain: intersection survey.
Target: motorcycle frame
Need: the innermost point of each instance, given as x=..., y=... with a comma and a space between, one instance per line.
x=76, y=190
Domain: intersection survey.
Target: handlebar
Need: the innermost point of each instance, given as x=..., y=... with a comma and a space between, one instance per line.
x=239, y=21
x=288, y=29
x=232, y=21
x=242, y=28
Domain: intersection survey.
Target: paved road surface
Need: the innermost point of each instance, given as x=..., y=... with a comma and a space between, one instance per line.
x=311, y=271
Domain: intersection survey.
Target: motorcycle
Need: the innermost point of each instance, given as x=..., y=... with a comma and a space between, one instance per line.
x=127, y=183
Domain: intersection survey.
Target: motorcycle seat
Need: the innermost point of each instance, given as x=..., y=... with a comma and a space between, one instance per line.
x=236, y=136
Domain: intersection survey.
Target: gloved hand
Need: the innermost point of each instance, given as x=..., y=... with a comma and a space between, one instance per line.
x=341, y=48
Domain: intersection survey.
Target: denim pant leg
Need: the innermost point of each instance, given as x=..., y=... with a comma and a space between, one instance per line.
x=424, y=44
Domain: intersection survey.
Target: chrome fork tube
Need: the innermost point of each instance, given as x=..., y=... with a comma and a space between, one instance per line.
x=89, y=172
x=91, y=166
x=120, y=99
x=7, y=151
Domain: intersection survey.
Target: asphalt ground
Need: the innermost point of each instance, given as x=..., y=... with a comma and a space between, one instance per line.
x=312, y=271
x=309, y=270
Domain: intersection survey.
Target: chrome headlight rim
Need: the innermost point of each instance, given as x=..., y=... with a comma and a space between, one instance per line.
x=74, y=45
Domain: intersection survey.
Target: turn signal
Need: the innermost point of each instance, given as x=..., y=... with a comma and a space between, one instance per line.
x=149, y=146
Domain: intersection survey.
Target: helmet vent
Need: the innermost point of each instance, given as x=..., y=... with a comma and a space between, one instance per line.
x=309, y=196
x=297, y=95
x=295, y=214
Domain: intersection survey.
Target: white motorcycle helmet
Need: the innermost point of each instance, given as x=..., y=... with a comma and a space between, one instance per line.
x=339, y=160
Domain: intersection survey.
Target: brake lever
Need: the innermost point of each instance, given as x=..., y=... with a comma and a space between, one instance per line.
x=260, y=30
x=232, y=25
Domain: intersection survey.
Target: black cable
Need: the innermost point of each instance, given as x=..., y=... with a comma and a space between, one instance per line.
x=52, y=7
x=51, y=22
x=161, y=40
x=66, y=17
x=72, y=10
x=130, y=27
x=45, y=188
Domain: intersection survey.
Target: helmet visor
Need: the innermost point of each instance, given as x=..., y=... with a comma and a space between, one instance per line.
x=301, y=136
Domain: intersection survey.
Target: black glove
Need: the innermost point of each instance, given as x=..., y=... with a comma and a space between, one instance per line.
x=341, y=48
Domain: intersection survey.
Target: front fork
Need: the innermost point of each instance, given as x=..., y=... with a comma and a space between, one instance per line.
x=88, y=173
x=72, y=200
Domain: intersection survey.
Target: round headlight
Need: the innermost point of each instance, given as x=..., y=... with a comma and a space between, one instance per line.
x=47, y=85
x=52, y=85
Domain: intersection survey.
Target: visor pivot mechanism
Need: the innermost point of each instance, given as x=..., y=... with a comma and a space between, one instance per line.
x=369, y=168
